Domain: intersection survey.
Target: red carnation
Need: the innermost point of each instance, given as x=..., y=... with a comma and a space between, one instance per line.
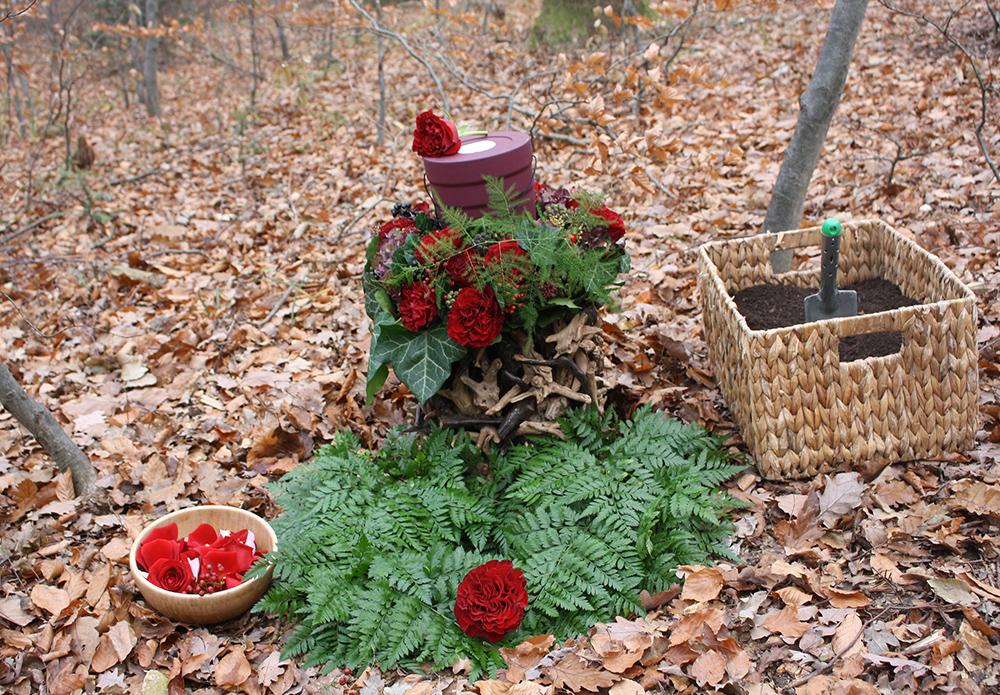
x=508, y=256
x=417, y=305
x=435, y=136
x=491, y=600
x=614, y=223
x=464, y=268
x=438, y=247
x=475, y=319
x=398, y=223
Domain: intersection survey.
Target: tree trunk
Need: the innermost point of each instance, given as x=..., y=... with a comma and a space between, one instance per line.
x=817, y=104
x=149, y=84
x=282, y=27
x=42, y=424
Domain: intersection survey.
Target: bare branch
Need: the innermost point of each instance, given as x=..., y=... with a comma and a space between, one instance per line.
x=12, y=13
x=943, y=29
x=376, y=28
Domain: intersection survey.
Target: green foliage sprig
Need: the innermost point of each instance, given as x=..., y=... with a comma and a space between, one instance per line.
x=373, y=545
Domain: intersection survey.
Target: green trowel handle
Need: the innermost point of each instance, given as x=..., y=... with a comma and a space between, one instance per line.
x=831, y=259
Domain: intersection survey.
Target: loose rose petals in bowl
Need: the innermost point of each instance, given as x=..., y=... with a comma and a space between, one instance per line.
x=220, y=606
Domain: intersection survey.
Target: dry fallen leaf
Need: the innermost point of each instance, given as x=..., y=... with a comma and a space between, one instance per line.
x=233, y=668
x=573, y=673
x=493, y=687
x=841, y=496
x=786, y=623
x=709, y=668
x=954, y=590
x=525, y=656
x=702, y=584
x=50, y=598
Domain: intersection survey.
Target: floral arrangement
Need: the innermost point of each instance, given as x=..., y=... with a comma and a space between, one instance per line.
x=202, y=563
x=436, y=289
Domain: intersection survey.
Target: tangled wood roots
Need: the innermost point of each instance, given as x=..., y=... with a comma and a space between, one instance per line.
x=514, y=388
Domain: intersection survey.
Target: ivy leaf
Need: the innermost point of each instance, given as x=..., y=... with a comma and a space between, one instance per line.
x=541, y=242
x=378, y=370
x=421, y=360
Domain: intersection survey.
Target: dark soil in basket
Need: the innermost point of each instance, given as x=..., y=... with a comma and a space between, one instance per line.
x=766, y=307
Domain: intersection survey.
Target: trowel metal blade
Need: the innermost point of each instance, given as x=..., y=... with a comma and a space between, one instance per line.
x=845, y=304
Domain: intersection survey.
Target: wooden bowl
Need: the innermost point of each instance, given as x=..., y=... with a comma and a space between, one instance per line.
x=222, y=605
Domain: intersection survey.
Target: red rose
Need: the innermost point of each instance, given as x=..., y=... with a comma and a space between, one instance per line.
x=172, y=575
x=421, y=207
x=417, y=305
x=161, y=543
x=614, y=223
x=475, y=319
x=203, y=535
x=491, y=600
x=435, y=136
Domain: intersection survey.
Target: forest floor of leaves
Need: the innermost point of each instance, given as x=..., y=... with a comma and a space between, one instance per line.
x=190, y=308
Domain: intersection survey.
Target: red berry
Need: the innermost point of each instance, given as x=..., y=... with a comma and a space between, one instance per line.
x=342, y=680
x=347, y=670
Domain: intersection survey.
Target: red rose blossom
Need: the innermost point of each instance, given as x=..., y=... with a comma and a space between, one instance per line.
x=491, y=600
x=475, y=319
x=614, y=223
x=435, y=136
x=417, y=305
x=161, y=543
x=172, y=575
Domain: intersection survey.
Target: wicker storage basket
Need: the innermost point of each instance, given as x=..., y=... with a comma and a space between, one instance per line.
x=800, y=410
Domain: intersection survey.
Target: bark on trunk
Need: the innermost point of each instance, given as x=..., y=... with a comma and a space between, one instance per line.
x=150, y=86
x=42, y=424
x=817, y=104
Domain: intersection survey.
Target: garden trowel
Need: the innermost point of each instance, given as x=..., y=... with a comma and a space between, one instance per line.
x=829, y=302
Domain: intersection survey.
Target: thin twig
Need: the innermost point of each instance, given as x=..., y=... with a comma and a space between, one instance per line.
x=292, y=286
x=25, y=230
x=33, y=326
x=137, y=177
x=173, y=251
x=376, y=28
x=975, y=71
x=11, y=13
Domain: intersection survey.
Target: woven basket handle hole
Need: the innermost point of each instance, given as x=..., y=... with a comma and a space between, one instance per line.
x=864, y=345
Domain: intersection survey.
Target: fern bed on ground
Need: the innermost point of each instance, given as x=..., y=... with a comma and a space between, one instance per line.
x=373, y=544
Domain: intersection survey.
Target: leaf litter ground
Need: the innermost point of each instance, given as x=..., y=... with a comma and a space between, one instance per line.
x=206, y=332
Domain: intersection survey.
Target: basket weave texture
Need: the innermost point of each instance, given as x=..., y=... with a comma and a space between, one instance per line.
x=800, y=410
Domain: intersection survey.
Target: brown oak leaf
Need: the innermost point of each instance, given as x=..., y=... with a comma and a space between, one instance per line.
x=572, y=673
